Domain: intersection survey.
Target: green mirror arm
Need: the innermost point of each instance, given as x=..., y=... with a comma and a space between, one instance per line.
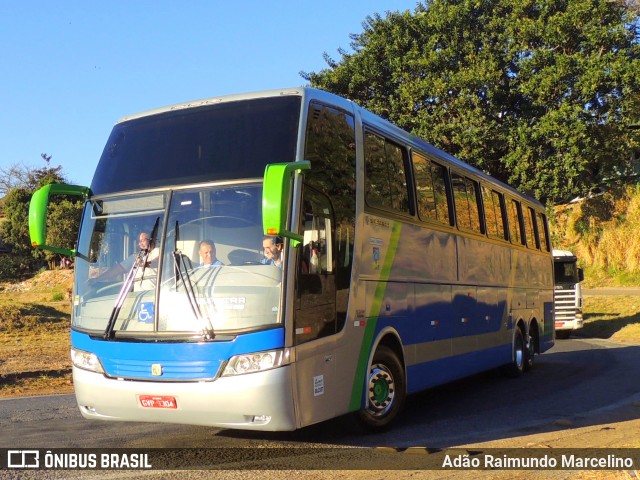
x=38, y=213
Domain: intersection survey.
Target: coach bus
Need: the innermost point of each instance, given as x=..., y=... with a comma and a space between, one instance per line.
x=354, y=264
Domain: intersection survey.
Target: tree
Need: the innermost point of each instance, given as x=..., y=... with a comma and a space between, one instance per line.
x=31, y=178
x=14, y=231
x=63, y=221
x=536, y=93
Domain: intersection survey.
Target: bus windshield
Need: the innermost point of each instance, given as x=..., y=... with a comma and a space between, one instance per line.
x=182, y=262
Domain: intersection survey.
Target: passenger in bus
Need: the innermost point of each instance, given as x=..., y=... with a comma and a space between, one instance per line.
x=207, y=252
x=272, y=250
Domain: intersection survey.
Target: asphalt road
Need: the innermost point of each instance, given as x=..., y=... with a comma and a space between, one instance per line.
x=576, y=383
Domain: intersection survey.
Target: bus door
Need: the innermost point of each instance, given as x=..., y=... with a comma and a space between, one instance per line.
x=315, y=321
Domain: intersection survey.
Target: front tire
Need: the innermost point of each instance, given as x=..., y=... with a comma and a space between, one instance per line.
x=386, y=391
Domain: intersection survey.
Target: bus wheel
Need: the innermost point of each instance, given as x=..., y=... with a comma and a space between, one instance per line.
x=530, y=353
x=517, y=365
x=386, y=390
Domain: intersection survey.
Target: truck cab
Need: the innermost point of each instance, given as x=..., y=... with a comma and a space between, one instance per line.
x=568, y=293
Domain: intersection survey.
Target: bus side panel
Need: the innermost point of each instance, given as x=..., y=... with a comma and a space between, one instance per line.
x=447, y=369
x=424, y=256
x=452, y=300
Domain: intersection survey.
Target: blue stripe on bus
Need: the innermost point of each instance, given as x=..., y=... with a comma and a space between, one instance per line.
x=438, y=372
x=179, y=361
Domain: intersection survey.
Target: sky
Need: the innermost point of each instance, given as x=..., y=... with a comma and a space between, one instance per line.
x=70, y=69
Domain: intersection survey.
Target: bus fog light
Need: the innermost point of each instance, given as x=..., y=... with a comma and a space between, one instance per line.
x=261, y=419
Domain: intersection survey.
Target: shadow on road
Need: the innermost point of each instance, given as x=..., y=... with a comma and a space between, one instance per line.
x=578, y=383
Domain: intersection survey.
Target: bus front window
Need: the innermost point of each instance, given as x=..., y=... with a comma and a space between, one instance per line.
x=182, y=262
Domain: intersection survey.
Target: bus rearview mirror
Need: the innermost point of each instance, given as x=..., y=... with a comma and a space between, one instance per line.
x=38, y=213
x=276, y=192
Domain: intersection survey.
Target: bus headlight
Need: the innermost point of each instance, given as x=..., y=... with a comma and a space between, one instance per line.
x=256, y=362
x=86, y=361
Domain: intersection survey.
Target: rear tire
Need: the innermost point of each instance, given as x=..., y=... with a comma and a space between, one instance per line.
x=517, y=366
x=386, y=391
x=530, y=349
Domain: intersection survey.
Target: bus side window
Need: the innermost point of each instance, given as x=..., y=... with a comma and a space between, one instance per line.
x=431, y=189
x=543, y=232
x=532, y=240
x=386, y=176
x=465, y=194
x=493, y=202
x=515, y=225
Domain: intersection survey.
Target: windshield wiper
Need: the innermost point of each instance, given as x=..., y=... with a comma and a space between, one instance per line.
x=182, y=273
x=140, y=260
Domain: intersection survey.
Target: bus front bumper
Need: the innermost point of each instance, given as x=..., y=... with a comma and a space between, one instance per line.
x=256, y=401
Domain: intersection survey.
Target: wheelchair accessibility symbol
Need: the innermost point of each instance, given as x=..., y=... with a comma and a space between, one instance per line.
x=145, y=312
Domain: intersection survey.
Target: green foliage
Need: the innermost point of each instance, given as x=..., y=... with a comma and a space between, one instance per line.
x=11, y=267
x=63, y=222
x=538, y=94
x=14, y=231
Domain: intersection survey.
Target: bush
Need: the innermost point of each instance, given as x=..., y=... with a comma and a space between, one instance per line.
x=11, y=267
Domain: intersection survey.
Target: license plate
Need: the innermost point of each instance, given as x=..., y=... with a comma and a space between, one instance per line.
x=151, y=401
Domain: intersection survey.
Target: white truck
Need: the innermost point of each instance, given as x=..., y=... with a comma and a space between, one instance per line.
x=568, y=293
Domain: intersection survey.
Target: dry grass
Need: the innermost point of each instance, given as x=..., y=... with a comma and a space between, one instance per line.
x=34, y=335
x=612, y=317
x=602, y=232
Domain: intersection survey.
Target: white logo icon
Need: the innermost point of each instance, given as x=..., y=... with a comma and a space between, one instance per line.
x=23, y=459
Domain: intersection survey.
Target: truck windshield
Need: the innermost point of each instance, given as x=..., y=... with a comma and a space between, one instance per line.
x=565, y=272
x=193, y=259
